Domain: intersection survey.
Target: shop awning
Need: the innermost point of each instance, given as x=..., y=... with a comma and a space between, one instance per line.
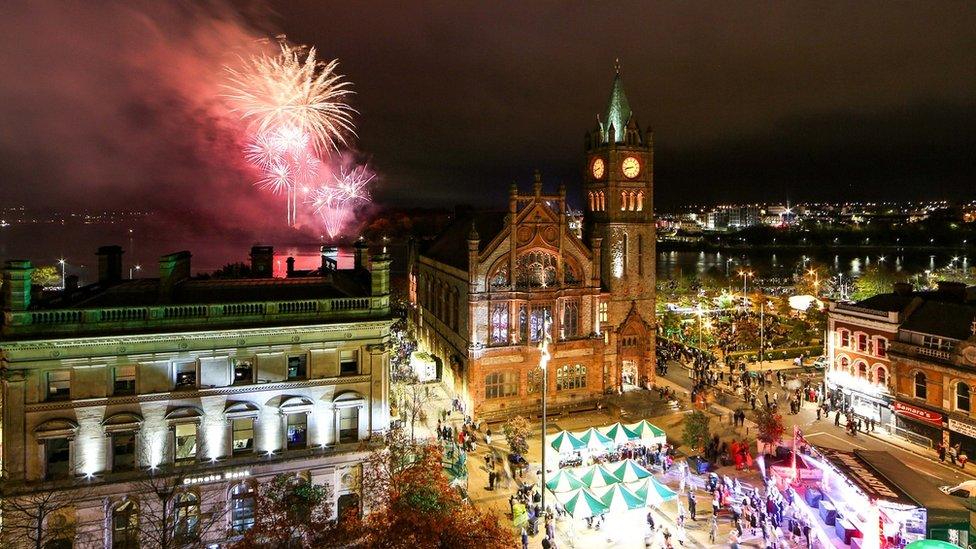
x=943, y=510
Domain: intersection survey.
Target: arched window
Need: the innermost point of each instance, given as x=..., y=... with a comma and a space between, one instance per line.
x=499, y=323
x=640, y=201
x=535, y=270
x=862, y=370
x=921, y=388
x=623, y=200
x=570, y=324
x=242, y=507
x=125, y=525
x=571, y=377
x=843, y=364
x=633, y=201
x=881, y=375
x=591, y=201
x=603, y=201
x=962, y=397
x=862, y=342
x=187, y=516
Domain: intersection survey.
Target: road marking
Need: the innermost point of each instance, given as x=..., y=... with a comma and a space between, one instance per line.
x=845, y=441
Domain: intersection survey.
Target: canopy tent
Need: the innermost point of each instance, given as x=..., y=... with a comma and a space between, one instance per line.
x=582, y=504
x=651, y=491
x=564, y=481
x=618, y=498
x=565, y=442
x=619, y=434
x=647, y=431
x=931, y=544
x=595, y=440
x=596, y=476
x=630, y=471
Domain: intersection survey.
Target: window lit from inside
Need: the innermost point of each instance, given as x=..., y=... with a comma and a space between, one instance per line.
x=297, y=431
x=186, y=442
x=297, y=367
x=187, y=516
x=243, y=435
x=125, y=525
x=59, y=385
x=348, y=424
x=186, y=375
x=125, y=380
x=241, y=508
x=243, y=372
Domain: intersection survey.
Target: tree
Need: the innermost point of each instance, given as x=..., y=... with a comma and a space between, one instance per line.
x=42, y=519
x=517, y=430
x=173, y=515
x=47, y=276
x=875, y=280
x=769, y=426
x=412, y=504
x=292, y=511
x=416, y=401
x=696, y=433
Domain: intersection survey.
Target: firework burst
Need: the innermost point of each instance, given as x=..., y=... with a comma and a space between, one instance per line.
x=334, y=199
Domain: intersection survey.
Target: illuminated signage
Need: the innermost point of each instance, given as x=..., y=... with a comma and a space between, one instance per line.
x=967, y=429
x=915, y=412
x=217, y=477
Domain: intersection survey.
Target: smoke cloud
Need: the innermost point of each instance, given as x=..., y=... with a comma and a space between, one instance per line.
x=118, y=104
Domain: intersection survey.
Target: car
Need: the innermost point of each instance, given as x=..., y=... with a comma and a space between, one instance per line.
x=965, y=491
x=820, y=363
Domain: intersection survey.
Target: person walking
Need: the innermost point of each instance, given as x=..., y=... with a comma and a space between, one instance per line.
x=942, y=452
x=713, y=529
x=650, y=519
x=837, y=419
x=692, y=503
x=525, y=539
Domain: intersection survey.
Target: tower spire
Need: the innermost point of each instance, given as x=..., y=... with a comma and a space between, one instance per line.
x=618, y=109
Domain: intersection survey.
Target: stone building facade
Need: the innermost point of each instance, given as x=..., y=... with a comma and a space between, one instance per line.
x=488, y=287
x=216, y=385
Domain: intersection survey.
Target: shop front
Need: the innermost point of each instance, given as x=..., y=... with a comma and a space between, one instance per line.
x=919, y=425
x=860, y=396
x=963, y=433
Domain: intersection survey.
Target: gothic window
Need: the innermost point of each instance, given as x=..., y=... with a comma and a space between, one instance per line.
x=499, y=279
x=534, y=379
x=571, y=377
x=881, y=376
x=535, y=270
x=640, y=201
x=523, y=323
x=540, y=321
x=501, y=385
x=570, y=325
x=921, y=387
x=604, y=311
x=499, y=323
x=591, y=201
x=623, y=200
x=962, y=397
x=603, y=201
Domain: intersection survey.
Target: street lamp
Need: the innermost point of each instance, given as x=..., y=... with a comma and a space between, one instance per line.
x=62, y=262
x=744, y=275
x=544, y=357
x=136, y=267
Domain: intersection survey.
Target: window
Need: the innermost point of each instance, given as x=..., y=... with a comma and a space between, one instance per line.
x=348, y=506
x=125, y=380
x=571, y=276
x=185, y=442
x=186, y=375
x=187, y=516
x=241, y=508
x=500, y=278
x=243, y=435
x=349, y=363
x=59, y=385
x=499, y=323
x=125, y=525
x=570, y=326
x=604, y=311
x=523, y=323
x=844, y=364
x=623, y=200
x=881, y=376
x=862, y=370
x=297, y=367
x=862, y=342
x=348, y=424
x=640, y=254
x=535, y=270
x=534, y=379
x=123, y=451
x=640, y=201
x=297, y=431
x=58, y=458
x=845, y=338
x=540, y=323
x=962, y=397
x=243, y=371
x=501, y=384
x=933, y=342
x=571, y=377
x=626, y=257
x=881, y=347
x=920, y=386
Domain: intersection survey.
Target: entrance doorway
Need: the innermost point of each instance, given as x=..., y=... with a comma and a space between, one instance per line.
x=628, y=372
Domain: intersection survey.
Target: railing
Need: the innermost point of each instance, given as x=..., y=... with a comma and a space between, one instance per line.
x=935, y=353
x=122, y=318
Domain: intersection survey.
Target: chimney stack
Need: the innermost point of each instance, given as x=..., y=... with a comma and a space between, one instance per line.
x=173, y=269
x=17, y=284
x=952, y=291
x=109, y=264
x=70, y=284
x=362, y=254
x=262, y=261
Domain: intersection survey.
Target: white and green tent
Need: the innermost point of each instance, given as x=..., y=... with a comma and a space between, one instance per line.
x=565, y=442
x=618, y=498
x=564, y=481
x=629, y=470
x=619, y=434
x=582, y=504
x=648, y=432
x=595, y=440
x=651, y=491
x=596, y=476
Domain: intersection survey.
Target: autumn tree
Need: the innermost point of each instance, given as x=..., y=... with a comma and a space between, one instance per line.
x=696, y=432
x=416, y=402
x=517, y=430
x=412, y=504
x=769, y=426
x=47, y=276
x=42, y=519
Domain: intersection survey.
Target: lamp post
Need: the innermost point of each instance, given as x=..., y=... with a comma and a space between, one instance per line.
x=62, y=262
x=136, y=267
x=544, y=357
x=745, y=275
x=699, y=307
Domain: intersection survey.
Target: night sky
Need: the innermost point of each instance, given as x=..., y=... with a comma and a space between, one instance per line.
x=112, y=103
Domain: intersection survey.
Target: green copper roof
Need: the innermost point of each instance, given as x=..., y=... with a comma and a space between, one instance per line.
x=618, y=110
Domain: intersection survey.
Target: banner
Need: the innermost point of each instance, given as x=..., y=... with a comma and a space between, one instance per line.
x=914, y=412
x=967, y=429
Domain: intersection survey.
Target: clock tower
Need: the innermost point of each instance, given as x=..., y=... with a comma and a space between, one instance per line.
x=618, y=193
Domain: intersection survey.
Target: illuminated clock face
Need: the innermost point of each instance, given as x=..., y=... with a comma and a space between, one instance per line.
x=631, y=167
x=598, y=168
